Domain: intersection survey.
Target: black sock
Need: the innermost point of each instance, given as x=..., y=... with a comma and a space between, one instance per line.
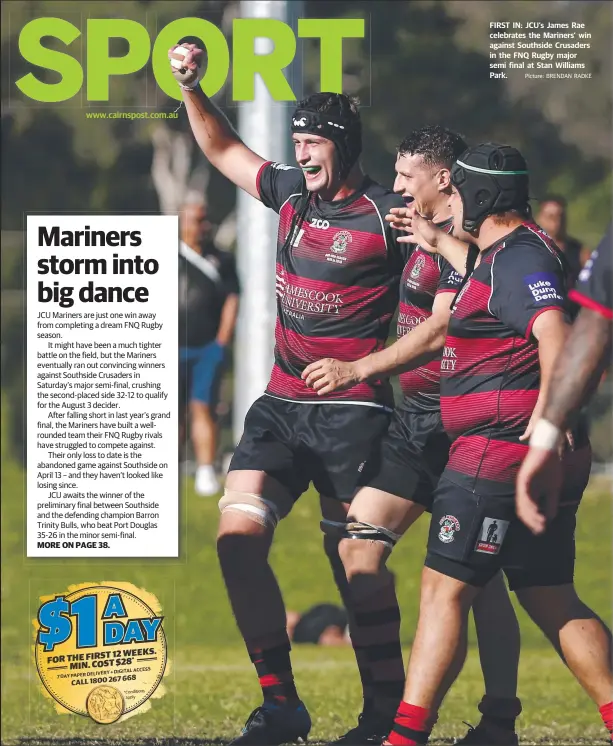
x=500, y=711
x=274, y=670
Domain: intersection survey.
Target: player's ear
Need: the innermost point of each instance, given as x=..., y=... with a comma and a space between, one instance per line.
x=443, y=179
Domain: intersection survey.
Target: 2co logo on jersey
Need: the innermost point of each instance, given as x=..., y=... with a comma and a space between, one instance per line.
x=315, y=223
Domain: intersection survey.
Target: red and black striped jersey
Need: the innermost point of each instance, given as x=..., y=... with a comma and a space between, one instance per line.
x=337, y=282
x=594, y=288
x=424, y=276
x=490, y=373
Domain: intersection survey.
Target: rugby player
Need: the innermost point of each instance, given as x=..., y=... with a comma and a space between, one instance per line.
x=401, y=473
x=338, y=270
x=586, y=354
x=507, y=327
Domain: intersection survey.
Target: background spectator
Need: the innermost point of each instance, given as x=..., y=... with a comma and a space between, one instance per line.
x=552, y=217
x=208, y=306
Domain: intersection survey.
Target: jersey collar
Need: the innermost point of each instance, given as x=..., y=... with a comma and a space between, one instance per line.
x=338, y=204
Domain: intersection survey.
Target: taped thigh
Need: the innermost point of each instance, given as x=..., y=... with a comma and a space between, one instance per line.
x=360, y=530
x=262, y=511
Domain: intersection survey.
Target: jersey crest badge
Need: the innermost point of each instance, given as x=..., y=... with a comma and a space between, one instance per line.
x=339, y=247
x=417, y=267
x=449, y=525
x=341, y=239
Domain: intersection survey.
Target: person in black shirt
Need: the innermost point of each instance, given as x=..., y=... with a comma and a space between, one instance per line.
x=208, y=306
x=552, y=219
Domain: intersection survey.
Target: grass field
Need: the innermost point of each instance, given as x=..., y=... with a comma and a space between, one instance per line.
x=211, y=688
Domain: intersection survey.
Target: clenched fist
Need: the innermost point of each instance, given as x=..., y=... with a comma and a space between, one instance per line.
x=186, y=64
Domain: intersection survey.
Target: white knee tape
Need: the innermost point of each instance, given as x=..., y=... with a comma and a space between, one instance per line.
x=256, y=507
x=259, y=513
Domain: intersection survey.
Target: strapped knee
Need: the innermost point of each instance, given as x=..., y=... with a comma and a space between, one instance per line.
x=255, y=507
x=360, y=530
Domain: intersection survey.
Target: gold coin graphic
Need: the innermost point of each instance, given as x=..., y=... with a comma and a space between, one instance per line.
x=105, y=704
x=103, y=640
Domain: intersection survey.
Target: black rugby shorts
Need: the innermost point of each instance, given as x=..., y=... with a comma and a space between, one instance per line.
x=410, y=457
x=474, y=534
x=299, y=443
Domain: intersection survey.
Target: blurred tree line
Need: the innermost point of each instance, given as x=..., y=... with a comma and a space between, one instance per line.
x=423, y=62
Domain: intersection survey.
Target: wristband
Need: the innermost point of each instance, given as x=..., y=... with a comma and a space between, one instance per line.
x=545, y=435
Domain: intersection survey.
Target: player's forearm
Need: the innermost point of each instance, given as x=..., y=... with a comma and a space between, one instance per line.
x=212, y=130
x=579, y=368
x=227, y=323
x=454, y=251
x=421, y=345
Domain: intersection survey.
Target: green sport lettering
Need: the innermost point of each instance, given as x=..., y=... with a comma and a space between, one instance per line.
x=331, y=31
x=101, y=67
x=213, y=41
x=32, y=50
x=269, y=66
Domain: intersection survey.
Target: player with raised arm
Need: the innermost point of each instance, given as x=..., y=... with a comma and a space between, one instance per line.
x=338, y=270
x=400, y=476
x=586, y=355
x=506, y=329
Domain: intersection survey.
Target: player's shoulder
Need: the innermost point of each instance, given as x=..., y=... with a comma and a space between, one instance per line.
x=278, y=166
x=277, y=182
x=528, y=261
x=282, y=171
x=383, y=197
x=528, y=241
